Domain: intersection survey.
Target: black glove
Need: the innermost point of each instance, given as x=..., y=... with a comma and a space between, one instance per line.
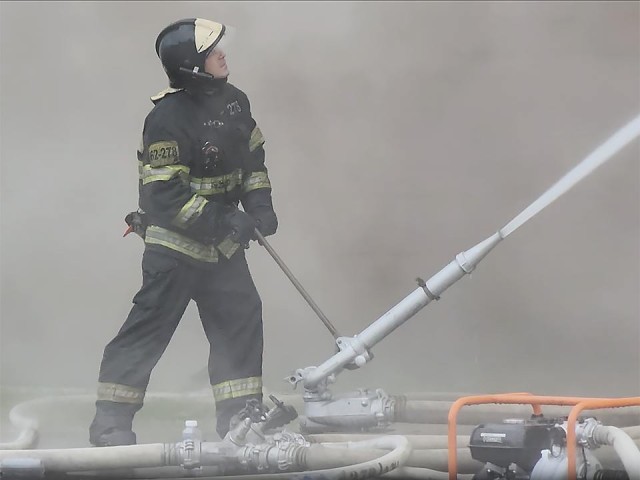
x=137, y=222
x=266, y=220
x=258, y=204
x=240, y=226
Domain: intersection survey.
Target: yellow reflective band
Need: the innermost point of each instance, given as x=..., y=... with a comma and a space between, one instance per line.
x=228, y=247
x=255, y=181
x=237, y=388
x=161, y=236
x=214, y=185
x=256, y=139
x=190, y=212
x=140, y=168
x=115, y=392
x=150, y=174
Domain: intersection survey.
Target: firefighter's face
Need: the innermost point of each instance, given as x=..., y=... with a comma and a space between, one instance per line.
x=216, y=63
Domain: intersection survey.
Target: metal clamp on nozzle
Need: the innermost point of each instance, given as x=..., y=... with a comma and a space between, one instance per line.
x=361, y=354
x=422, y=284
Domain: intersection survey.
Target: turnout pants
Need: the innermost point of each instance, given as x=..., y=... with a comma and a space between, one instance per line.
x=231, y=313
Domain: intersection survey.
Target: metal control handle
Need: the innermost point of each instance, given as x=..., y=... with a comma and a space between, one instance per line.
x=296, y=283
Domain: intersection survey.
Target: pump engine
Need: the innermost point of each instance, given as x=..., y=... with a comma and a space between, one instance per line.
x=532, y=449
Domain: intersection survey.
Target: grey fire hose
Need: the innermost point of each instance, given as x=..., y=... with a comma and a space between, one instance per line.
x=156, y=455
x=624, y=446
x=327, y=454
x=83, y=459
x=328, y=451
x=28, y=435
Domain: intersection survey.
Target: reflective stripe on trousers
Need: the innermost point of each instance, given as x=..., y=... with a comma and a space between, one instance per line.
x=115, y=392
x=237, y=388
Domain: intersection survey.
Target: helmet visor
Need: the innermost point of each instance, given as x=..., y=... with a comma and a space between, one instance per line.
x=209, y=34
x=227, y=38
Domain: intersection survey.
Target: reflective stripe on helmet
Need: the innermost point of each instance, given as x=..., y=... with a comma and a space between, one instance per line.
x=207, y=33
x=237, y=388
x=180, y=243
x=213, y=185
x=190, y=212
x=255, y=181
x=256, y=139
x=114, y=392
x=150, y=174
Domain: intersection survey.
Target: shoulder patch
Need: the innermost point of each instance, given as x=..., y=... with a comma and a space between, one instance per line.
x=163, y=153
x=167, y=91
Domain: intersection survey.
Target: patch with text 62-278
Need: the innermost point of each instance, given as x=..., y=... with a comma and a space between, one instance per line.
x=163, y=153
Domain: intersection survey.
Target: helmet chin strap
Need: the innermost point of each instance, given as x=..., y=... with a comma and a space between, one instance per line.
x=197, y=74
x=203, y=79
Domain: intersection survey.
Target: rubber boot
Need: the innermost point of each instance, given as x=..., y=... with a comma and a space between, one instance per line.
x=112, y=424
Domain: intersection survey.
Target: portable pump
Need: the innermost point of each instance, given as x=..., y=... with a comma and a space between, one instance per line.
x=535, y=449
x=516, y=442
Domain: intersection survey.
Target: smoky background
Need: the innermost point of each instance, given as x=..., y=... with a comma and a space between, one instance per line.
x=397, y=135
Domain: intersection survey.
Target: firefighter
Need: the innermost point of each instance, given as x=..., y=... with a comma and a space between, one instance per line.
x=200, y=159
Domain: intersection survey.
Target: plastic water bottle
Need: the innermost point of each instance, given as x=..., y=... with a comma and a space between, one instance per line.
x=191, y=431
x=191, y=438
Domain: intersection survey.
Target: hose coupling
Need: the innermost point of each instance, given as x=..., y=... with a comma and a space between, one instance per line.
x=191, y=454
x=585, y=433
x=281, y=453
x=396, y=407
x=362, y=409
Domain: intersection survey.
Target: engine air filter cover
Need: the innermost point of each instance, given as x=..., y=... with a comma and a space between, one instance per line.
x=514, y=442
